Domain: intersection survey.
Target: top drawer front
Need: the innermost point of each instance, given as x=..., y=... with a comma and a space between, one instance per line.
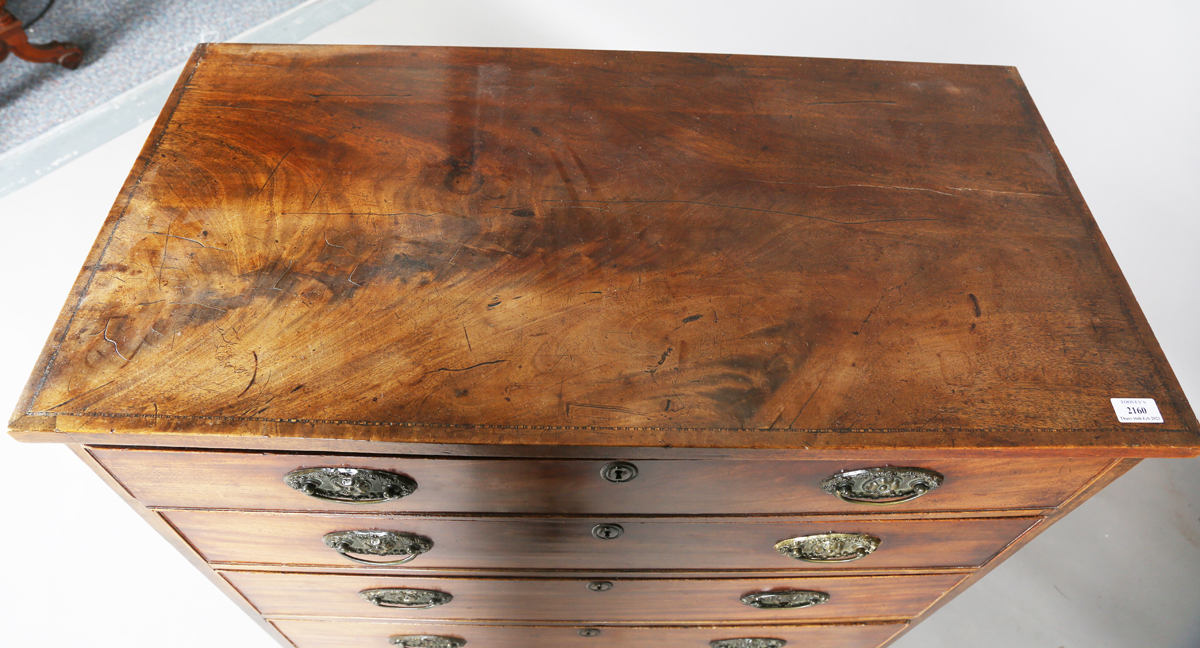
x=233, y=480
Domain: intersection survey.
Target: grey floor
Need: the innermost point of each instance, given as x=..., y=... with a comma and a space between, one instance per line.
x=1117, y=85
x=125, y=42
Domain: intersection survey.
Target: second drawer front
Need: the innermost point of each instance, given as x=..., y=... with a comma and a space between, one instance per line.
x=571, y=601
x=568, y=543
x=248, y=481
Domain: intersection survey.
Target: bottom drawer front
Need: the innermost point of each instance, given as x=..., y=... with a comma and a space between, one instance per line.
x=342, y=634
x=573, y=601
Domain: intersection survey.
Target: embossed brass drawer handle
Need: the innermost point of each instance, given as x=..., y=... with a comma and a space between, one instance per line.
x=882, y=486
x=350, y=485
x=378, y=543
x=409, y=599
x=785, y=600
x=829, y=547
x=748, y=642
x=426, y=641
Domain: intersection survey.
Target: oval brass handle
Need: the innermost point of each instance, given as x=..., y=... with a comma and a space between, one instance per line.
x=378, y=543
x=748, y=642
x=829, y=547
x=785, y=599
x=884, y=486
x=426, y=641
x=350, y=485
x=409, y=599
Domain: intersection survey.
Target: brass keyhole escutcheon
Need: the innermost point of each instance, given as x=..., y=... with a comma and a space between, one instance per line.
x=619, y=472
x=608, y=531
x=600, y=586
x=589, y=632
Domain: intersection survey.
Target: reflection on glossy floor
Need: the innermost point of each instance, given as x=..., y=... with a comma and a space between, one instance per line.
x=1117, y=89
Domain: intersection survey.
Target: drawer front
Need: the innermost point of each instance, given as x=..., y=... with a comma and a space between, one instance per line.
x=572, y=601
x=515, y=486
x=367, y=634
x=569, y=543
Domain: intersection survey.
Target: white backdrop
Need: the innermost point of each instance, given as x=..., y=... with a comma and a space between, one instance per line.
x=1117, y=83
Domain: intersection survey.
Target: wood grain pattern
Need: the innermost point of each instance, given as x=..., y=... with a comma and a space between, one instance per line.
x=341, y=634
x=648, y=544
x=644, y=248
x=569, y=600
x=239, y=481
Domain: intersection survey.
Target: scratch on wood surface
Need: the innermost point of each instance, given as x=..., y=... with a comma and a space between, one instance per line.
x=316, y=96
x=1008, y=193
x=196, y=304
x=272, y=174
x=666, y=354
x=489, y=362
x=607, y=408
x=183, y=238
x=468, y=337
x=114, y=343
x=845, y=103
x=166, y=239
x=285, y=271
x=318, y=192
x=368, y=213
x=814, y=393
x=75, y=398
x=857, y=185
x=871, y=312
x=753, y=209
x=252, y=376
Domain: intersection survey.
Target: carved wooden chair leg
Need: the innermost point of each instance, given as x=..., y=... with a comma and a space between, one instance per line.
x=12, y=37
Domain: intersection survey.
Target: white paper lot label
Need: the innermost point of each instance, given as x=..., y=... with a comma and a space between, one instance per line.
x=1136, y=410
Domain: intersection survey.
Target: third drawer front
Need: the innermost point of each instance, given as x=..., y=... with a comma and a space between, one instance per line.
x=628, y=601
x=374, y=634
x=570, y=543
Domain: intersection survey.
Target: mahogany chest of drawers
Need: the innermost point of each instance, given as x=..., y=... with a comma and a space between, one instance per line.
x=434, y=347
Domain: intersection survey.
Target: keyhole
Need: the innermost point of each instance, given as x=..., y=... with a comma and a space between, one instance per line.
x=608, y=531
x=619, y=472
x=589, y=632
x=600, y=586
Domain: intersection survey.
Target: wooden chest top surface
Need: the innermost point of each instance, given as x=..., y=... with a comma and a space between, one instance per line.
x=546, y=247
